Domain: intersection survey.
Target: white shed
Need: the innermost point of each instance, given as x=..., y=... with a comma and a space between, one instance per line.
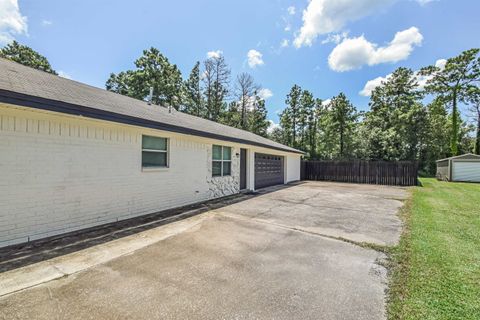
x=465, y=168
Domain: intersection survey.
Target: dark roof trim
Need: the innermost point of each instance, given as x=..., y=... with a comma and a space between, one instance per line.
x=20, y=99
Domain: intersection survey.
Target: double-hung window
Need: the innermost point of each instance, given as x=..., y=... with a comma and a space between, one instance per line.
x=154, y=152
x=221, y=161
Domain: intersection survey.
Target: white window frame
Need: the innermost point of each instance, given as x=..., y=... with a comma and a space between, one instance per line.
x=222, y=161
x=166, y=151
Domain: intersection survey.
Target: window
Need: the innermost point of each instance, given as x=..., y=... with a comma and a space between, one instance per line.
x=154, y=152
x=221, y=161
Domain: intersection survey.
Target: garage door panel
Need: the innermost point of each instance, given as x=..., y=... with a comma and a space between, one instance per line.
x=466, y=171
x=268, y=170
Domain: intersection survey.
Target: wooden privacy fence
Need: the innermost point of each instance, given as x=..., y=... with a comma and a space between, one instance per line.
x=395, y=173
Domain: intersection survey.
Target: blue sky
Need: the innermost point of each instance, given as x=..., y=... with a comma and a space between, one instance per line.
x=329, y=46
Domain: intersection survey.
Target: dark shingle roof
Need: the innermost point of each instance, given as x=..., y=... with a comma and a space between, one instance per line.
x=26, y=86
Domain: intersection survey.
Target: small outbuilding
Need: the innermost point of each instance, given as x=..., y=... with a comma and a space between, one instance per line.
x=460, y=168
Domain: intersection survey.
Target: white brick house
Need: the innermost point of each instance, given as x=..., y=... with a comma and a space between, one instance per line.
x=73, y=156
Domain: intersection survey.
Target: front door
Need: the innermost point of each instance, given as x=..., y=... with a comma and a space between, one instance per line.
x=243, y=169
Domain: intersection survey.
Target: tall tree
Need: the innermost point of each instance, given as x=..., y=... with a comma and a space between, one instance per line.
x=26, y=56
x=216, y=81
x=245, y=94
x=277, y=134
x=286, y=125
x=193, y=103
x=395, y=122
x=453, y=84
x=437, y=139
x=342, y=118
x=291, y=114
x=306, y=113
x=153, y=70
x=314, y=119
x=231, y=116
x=474, y=101
x=257, y=120
x=124, y=83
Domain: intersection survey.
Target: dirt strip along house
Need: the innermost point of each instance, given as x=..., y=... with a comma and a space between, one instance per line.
x=73, y=156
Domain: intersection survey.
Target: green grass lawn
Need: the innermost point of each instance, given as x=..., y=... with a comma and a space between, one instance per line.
x=436, y=267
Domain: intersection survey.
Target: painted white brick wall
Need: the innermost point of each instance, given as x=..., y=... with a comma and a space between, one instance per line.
x=63, y=173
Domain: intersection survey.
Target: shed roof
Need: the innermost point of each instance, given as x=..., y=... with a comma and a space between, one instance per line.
x=25, y=86
x=463, y=156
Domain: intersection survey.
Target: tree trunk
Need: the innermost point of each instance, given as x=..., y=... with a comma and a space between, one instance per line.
x=477, y=141
x=341, y=142
x=454, y=141
x=294, y=127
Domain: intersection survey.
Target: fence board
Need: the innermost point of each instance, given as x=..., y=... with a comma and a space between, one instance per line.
x=396, y=173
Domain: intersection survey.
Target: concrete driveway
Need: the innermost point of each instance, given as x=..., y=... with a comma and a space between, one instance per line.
x=274, y=256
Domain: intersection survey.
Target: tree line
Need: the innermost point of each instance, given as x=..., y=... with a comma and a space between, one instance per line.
x=399, y=124
x=207, y=92
x=413, y=115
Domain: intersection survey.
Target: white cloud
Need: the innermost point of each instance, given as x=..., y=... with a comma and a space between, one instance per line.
x=254, y=58
x=288, y=27
x=291, y=10
x=326, y=102
x=424, y=2
x=46, y=23
x=272, y=126
x=63, y=74
x=265, y=93
x=284, y=43
x=214, y=54
x=440, y=63
x=353, y=53
x=372, y=84
x=326, y=16
x=422, y=80
x=335, y=38
x=11, y=21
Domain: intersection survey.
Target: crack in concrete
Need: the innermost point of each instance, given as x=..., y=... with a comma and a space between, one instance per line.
x=365, y=245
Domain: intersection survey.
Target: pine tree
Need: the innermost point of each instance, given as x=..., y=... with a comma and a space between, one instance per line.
x=314, y=119
x=193, y=103
x=396, y=120
x=453, y=83
x=286, y=124
x=306, y=115
x=342, y=119
x=153, y=70
x=291, y=114
x=26, y=56
x=216, y=80
x=258, y=122
x=231, y=117
x=245, y=91
x=437, y=138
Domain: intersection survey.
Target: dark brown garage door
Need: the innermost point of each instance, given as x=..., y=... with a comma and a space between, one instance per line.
x=268, y=170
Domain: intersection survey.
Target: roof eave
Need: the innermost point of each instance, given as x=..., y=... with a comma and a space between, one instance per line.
x=20, y=99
